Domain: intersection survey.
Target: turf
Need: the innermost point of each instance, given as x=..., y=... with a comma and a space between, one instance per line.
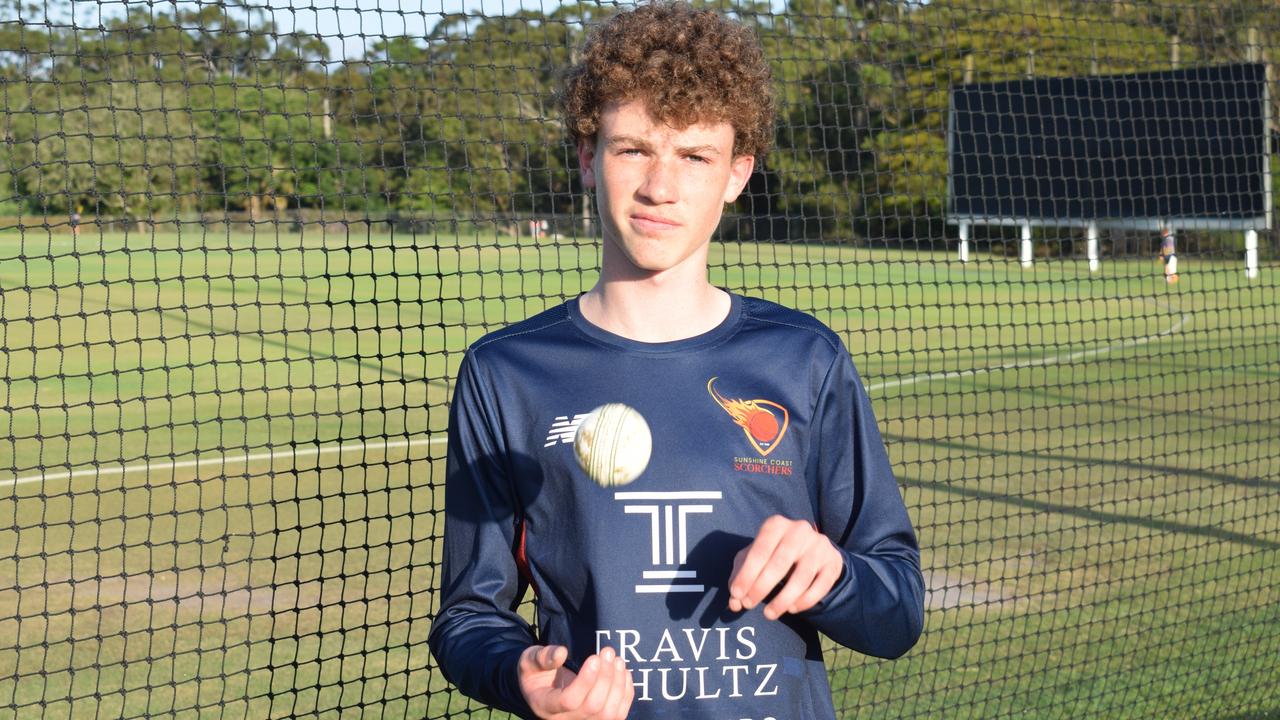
x=220, y=485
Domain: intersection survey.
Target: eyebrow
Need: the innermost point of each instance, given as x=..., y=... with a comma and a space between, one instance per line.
x=615, y=140
x=700, y=150
x=624, y=140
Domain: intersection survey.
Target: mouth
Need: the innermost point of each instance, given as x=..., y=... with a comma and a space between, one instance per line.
x=653, y=223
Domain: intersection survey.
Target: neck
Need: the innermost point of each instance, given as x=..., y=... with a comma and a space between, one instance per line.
x=658, y=308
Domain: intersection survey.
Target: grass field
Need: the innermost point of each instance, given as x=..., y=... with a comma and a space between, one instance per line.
x=220, y=481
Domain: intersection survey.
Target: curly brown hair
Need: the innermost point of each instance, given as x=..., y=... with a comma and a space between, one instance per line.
x=688, y=66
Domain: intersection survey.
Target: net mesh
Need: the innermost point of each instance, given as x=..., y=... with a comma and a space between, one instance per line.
x=243, y=247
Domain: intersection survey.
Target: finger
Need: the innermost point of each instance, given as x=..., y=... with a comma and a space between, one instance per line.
x=539, y=658
x=735, y=605
x=619, y=701
x=757, y=556
x=575, y=693
x=598, y=697
x=820, y=588
x=812, y=566
x=629, y=693
x=553, y=657
x=797, y=583
x=777, y=566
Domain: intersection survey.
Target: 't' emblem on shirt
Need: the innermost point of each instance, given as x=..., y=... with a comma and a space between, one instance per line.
x=669, y=536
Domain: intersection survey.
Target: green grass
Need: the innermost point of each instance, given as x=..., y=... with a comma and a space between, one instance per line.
x=1091, y=460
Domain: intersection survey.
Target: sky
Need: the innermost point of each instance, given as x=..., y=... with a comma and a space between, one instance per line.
x=347, y=26
x=340, y=22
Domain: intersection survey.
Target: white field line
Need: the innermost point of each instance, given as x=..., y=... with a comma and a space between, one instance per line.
x=101, y=471
x=1184, y=318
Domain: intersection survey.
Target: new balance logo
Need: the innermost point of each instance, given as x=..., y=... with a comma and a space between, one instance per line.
x=563, y=429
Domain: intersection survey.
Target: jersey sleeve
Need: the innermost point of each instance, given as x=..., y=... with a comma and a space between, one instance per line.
x=477, y=636
x=877, y=605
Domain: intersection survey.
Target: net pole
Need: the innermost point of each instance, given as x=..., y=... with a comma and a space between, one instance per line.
x=1251, y=254
x=1092, y=235
x=1026, y=245
x=964, y=242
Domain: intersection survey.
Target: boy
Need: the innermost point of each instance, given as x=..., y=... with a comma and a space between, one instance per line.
x=768, y=512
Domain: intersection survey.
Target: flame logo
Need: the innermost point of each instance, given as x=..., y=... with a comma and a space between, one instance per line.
x=764, y=422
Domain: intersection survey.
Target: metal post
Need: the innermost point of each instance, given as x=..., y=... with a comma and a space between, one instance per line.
x=1026, y=245
x=1092, y=234
x=1251, y=254
x=964, y=242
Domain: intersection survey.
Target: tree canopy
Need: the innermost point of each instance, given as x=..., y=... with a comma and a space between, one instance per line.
x=160, y=113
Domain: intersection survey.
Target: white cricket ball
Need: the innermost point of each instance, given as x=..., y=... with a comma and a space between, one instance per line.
x=613, y=444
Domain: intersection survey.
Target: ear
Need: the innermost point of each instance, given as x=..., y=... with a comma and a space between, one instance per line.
x=587, y=156
x=739, y=172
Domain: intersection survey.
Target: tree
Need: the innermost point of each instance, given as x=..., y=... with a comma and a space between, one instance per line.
x=949, y=42
x=120, y=151
x=264, y=151
x=833, y=89
x=494, y=106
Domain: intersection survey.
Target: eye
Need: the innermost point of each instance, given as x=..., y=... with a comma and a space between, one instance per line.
x=700, y=159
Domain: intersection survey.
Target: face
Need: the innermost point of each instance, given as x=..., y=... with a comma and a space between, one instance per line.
x=659, y=191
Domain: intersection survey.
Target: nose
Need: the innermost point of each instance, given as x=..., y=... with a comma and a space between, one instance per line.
x=661, y=184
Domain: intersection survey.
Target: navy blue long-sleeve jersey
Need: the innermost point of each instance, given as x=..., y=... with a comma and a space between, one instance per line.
x=762, y=415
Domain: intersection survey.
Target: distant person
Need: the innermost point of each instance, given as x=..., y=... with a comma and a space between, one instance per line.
x=768, y=515
x=75, y=223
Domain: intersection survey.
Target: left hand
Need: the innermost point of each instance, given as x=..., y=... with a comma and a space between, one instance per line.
x=784, y=550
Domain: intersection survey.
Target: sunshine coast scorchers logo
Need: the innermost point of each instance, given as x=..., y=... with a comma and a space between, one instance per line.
x=764, y=422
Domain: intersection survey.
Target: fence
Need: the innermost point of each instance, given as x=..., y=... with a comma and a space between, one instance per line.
x=221, y=476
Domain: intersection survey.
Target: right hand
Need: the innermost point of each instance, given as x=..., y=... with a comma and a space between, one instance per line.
x=602, y=690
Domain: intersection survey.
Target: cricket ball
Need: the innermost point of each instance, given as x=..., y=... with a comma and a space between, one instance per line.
x=613, y=444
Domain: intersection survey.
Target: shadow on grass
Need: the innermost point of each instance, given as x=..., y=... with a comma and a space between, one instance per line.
x=1066, y=400
x=1095, y=515
x=1211, y=476
x=263, y=339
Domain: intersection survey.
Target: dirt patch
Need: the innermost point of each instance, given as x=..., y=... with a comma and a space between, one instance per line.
x=949, y=591
x=188, y=589
x=188, y=594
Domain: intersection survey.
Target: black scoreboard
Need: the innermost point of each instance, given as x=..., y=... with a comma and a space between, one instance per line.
x=1185, y=147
